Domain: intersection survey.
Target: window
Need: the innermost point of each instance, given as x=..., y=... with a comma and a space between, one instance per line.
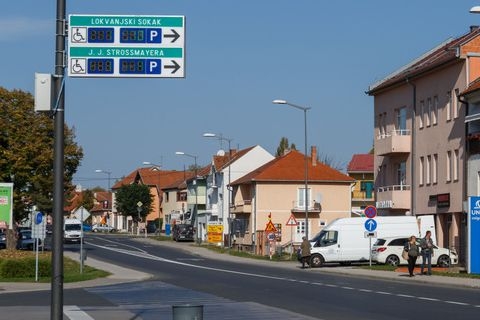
x=448, y=107
x=420, y=171
x=429, y=111
x=301, y=197
x=456, y=161
x=435, y=169
x=401, y=118
x=435, y=110
x=449, y=166
x=181, y=196
x=167, y=196
x=421, y=115
x=380, y=125
x=402, y=173
x=428, y=170
x=456, y=105
x=327, y=238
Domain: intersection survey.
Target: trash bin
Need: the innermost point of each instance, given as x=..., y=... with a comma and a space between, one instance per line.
x=188, y=312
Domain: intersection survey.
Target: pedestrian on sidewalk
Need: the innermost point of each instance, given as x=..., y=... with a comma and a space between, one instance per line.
x=427, y=252
x=305, y=247
x=413, y=251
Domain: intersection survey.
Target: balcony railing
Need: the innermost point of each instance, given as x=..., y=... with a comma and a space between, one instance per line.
x=300, y=206
x=393, y=197
x=244, y=206
x=397, y=141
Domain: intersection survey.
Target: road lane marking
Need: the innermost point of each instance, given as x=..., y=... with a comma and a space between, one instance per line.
x=143, y=254
x=75, y=313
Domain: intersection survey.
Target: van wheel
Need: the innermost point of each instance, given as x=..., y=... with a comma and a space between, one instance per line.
x=443, y=261
x=316, y=260
x=392, y=260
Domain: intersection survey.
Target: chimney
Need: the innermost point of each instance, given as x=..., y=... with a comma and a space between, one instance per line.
x=314, y=155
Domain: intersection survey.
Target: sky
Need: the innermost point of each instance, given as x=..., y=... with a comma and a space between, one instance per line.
x=239, y=56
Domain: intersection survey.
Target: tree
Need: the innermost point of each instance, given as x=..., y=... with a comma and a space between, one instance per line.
x=283, y=146
x=127, y=198
x=26, y=153
x=88, y=199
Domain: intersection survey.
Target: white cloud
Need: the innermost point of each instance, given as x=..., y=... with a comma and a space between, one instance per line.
x=20, y=28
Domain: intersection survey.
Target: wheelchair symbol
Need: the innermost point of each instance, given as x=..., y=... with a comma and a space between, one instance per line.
x=79, y=35
x=78, y=66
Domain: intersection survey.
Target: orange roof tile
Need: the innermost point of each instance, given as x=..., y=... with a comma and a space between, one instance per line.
x=291, y=167
x=361, y=163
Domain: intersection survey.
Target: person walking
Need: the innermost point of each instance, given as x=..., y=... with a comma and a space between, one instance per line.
x=305, y=247
x=413, y=251
x=427, y=252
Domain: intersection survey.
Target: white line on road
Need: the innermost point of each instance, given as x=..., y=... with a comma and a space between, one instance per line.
x=75, y=313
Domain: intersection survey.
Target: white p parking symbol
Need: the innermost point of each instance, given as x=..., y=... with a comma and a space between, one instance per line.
x=154, y=35
x=154, y=66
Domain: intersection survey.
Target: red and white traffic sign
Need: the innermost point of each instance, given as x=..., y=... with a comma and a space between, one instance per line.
x=292, y=221
x=370, y=212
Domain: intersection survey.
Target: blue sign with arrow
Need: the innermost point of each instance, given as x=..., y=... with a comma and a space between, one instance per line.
x=370, y=225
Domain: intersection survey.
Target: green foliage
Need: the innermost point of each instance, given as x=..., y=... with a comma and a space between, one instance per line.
x=26, y=153
x=25, y=267
x=88, y=199
x=283, y=146
x=127, y=198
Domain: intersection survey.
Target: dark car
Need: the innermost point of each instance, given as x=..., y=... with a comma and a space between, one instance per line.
x=183, y=232
x=25, y=240
x=3, y=239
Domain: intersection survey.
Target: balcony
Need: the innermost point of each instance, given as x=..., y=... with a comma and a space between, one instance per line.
x=394, y=197
x=299, y=206
x=398, y=141
x=244, y=206
x=362, y=196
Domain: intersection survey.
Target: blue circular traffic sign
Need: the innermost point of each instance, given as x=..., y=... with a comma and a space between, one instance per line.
x=370, y=225
x=370, y=212
x=38, y=218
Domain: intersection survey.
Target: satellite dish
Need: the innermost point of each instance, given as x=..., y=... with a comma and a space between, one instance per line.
x=221, y=153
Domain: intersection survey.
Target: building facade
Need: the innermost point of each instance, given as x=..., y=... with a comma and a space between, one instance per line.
x=420, y=137
x=360, y=168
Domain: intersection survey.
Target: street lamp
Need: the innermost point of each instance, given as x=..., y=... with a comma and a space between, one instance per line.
x=107, y=173
x=475, y=9
x=304, y=109
x=180, y=153
x=160, y=195
x=222, y=138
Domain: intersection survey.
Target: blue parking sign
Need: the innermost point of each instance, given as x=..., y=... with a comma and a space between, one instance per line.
x=474, y=235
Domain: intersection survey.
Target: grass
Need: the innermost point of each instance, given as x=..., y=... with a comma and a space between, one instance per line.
x=446, y=272
x=71, y=268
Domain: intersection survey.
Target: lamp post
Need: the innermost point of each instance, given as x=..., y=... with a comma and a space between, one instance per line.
x=160, y=198
x=180, y=153
x=304, y=109
x=229, y=219
x=107, y=173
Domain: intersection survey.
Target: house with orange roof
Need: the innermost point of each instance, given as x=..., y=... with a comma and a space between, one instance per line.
x=275, y=193
x=155, y=179
x=360, y=168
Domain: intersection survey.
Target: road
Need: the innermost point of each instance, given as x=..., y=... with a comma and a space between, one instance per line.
x=254, y=290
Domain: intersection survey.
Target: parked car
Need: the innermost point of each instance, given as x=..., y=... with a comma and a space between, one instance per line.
x=102, y=228
x=183, y=232
x=25, y=240
x=388, y=250
x=87, y=227
x=3, y=239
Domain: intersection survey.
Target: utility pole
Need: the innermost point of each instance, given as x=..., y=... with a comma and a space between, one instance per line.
x=58, y=164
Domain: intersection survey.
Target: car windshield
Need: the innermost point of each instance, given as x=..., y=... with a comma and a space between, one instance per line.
x=72, y=227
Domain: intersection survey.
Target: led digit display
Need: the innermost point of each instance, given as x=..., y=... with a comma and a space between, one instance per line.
x=132, y=35
x=100, y=66
x=100, y=35
x=132, y=66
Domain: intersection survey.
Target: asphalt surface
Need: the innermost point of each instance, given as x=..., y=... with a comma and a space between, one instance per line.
x=120, y=275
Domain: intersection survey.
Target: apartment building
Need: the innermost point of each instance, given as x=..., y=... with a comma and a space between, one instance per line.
x=420, y=137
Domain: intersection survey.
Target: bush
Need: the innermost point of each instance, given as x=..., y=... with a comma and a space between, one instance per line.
x=25, y=267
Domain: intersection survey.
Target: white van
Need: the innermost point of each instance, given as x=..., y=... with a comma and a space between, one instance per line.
x=72, y=231
x=346, y=240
